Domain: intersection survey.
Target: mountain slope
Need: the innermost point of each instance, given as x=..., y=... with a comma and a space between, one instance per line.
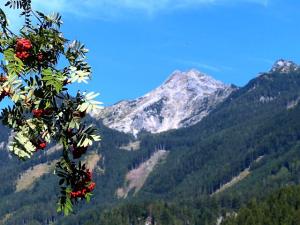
x=281, y=207
x=260, y=119
x=183, y=100
x=254, y=121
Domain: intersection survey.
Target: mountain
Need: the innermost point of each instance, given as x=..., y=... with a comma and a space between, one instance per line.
x=284, y=66
x=252, y=136
x=184, y=99
x=246, y=147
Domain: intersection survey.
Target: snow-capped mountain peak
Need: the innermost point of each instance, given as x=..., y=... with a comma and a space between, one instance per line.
x=182, y=100
x=191, y=77
x=284, y=66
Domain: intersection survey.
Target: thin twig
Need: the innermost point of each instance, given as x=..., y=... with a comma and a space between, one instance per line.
x=33, y=13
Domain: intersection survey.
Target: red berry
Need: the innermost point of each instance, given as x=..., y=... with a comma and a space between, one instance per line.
x=73, y=194
x=91, y=187
x=22, y=55
x=19, y=55
x=23, y=44
x=42, y=145
x=23, y=47
x=40, y=56
x=38, y=112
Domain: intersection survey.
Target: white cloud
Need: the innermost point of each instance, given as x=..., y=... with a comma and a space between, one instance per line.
x=202, y=65
x=198, y=65
x=53, y=5
x=116, y=8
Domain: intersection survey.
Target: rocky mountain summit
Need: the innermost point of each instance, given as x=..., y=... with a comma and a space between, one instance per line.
x=182, y=100
x=284, y=66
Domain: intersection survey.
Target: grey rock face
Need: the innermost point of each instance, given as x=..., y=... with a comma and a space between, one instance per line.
x=184, y=99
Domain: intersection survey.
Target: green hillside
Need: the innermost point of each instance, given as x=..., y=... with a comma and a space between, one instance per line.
x=282, y=207
x=242, y=130
x=252, y=137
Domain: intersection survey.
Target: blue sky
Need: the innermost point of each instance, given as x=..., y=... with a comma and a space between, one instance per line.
x=136, y=44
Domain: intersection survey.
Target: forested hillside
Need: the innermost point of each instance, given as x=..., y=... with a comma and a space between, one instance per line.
x=282, y=207
x=40, y=198
x=255, y=132
x=256, y=122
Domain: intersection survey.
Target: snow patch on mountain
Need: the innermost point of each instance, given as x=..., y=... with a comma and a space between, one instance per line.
x=184, y=99
x=284, y=66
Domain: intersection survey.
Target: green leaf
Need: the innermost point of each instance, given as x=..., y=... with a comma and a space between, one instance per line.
x=53, y=79
x=87, y=137
x=88, y=104
x=88, y=197
x=22, y=146
x=15, y=66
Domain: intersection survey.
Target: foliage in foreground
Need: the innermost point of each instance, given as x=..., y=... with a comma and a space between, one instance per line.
x=42, y=111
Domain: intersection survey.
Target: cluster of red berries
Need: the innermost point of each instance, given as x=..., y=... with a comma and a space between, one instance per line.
x=41, y=145
x=81, y=193
x=23, y=48
x=40, y=57
x=87, y=187
x=37, y=113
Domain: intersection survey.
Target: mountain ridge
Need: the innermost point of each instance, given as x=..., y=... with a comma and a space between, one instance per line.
x=258, y=121
x=284, y=66
x=181, y=101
